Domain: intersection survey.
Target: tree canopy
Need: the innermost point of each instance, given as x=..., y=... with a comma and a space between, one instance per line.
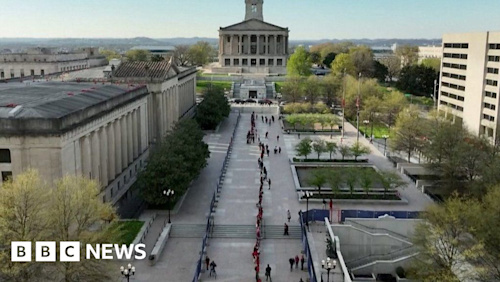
x=213, y=109
x=137, y=55
x=299, y=63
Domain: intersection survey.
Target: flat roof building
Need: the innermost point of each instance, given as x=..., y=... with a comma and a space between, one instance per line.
x=469, y=80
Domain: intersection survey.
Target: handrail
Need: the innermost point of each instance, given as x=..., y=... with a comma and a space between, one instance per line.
x=377, y=230
x=411, y=250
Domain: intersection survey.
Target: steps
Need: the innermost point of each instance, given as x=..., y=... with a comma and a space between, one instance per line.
x=276, y=232
x=233, y=231
x=187, y=230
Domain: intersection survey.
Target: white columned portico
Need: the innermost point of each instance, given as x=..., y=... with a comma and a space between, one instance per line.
x=111, y=150
x=123, y=123
x=104, y=156
x=118, y=146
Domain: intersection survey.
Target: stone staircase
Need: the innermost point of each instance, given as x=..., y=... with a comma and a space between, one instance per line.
x=233, y=231
x=270, y=90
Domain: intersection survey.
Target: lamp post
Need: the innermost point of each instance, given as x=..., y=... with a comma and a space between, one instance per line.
x=307, y=195
x=366, y=122
x=329, y=264
x=169, y=193
x=385, y=141
x=127, y=272
x=357, y=106
x=343, y=103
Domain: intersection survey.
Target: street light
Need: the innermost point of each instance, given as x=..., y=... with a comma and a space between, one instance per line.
x=307, y=195
x=385, y=141
x=329, y=264
x=357, y=106
x=169, y=194
x=366, y=122
x=127, y=272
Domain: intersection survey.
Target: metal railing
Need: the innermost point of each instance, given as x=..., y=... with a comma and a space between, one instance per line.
x=307, y=250
x=372, y=259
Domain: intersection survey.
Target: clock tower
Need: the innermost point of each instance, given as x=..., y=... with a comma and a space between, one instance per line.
x=254, y=10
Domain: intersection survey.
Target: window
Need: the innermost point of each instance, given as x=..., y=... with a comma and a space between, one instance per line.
x=279, y=62
x=254, y=8
x=490, y=94
x=455, y=76
x=5, y=156
x=245, y=62
x=494, y=46
x=42, y=72
x=454, y=86
x=489, y=106
x=262, y=62
x=253, y=62
x=118, y=185
x=6, y=175
x=492, y=70
x=227, y=62
x=22, y=72
x=270, y=62
x=493, y=58
x=488, y=117
x=2, y=74
x=236, y=62
x=455, y=56
x=112, y=192
x=491, y=82
x=32, y=72
x=455, y=66
x=456, y=45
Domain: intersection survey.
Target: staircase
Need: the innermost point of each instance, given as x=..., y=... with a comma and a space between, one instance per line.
x=187, y=230
x=233, y=231
x=276, y=232
x=270, y=90
x=236, y=89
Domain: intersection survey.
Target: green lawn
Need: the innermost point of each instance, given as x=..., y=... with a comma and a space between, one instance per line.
x=379, y=129
x=202, y=85
x=279, y=86
x=128, y=229
x=420, y=100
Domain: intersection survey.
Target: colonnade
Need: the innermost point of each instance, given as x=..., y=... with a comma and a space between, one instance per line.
x=253, y=44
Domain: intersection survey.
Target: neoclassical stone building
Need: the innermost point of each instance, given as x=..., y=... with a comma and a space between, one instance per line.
x=253, y=46
x=102, y=131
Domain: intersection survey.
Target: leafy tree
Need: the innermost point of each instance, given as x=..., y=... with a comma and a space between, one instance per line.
x=331, y=147
x=201, y=53
x=362, y=59
x=343, y=63
x=315, y=57
x=157, y=58
x=351, y=178
x=110, y=54
x=345, y=151
x=137, y=55
x=417, y=79
x=390, y=180
x=334, y=179
x=329, y=58
x=299, y=63
x=319, y=146
x=213, y=109
x=304, y=147
x=409, y=131
x=312, y=89
x=328, y=48
x=433, y=63
x=393, y=64
x=408, y=54
x=366, y=179
x=444, y=242
x=358, y=149
x=318, y=178
x=370, y=112
x=292, y=89
x=392, y=103
x=332, y=86
x=181, y=55
x=380, y=71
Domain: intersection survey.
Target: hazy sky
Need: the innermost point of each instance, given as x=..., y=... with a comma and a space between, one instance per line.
x=306, y=19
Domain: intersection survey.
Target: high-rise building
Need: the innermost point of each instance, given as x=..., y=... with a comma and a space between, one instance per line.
x=469, y=80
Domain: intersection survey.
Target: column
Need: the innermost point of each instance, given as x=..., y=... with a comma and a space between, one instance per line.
x=240, y=45
x=111, y=150
x=286, y=45
x=96, y=154
x=249, y=44
x=104, y=155
x=130, y=142
x=124, y=133
x=118, y=146
x=231, y=46
x=221, y=45
x=78, y=156
x=266, y=51
x=258, y=46
x=86, y=154
x=135, y=135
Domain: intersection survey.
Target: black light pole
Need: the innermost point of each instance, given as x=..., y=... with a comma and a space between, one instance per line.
x=127, y=272
x=307, y=195
x=358, y=101
x=169, y=193
x=329, y=264
x=385, y=142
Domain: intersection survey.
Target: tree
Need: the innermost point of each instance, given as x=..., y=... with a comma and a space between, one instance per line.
x=315, y=57
x=433, y=63
x=371, y=110
x=299, y=63
x=362, y=59
x=181, y=55
x=137, y=55
x=331, y=147
x=345, y=151
x=392, y=103
x=200, y=53
x=110, y=54
x=366, y=179
x=304, y=147
x=390, y=180
x=319, y=147
x=393, y=64
x=327, y=61
x=343, y=62
x=292, y=89
x=358, y=149
x=312, y=89
x=417, y=79
x=351, y=178
x=409, y=131
x=332, y=85
x=380, y=71
x=318, y=178
x=408, y=54
x=213, y=109
x=444, y=242
x=157, y=58
x=334, y=179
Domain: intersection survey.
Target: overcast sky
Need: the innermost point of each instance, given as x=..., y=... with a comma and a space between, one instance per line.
x=306, y=19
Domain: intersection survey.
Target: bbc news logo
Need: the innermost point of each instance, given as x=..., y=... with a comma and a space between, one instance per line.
x=69, y=251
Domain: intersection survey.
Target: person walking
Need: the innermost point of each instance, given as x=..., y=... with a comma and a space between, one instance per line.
x=269, y=182
x=291, y=261
x=279, y=150
x=301, y=280
x=268, y=152
x=286, y=230
x=288, y=215
x=212, y=269
x=207, y=261
x=267, y=133
x=278, y=138
x=268, y=273
x=297, y=261
x=302, y=260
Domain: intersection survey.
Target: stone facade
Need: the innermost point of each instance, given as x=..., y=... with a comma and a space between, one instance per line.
x=108, y=140
x=253, y=46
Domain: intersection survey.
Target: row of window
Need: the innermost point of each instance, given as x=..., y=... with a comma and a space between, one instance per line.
x=455, y=56
x=454, y=86
x=488, y=117
x=453, y=106
x=457, y=45
x=73, y=68
x=489, y=106
x=492, y=70
x=491, y=82
x=453, y=96
x=455, y=76
x=21, y=73
x=494, y=46
x=455, y=66
x=490, y=94
x=15, y=60
x=493, y=58
x=253, y=62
